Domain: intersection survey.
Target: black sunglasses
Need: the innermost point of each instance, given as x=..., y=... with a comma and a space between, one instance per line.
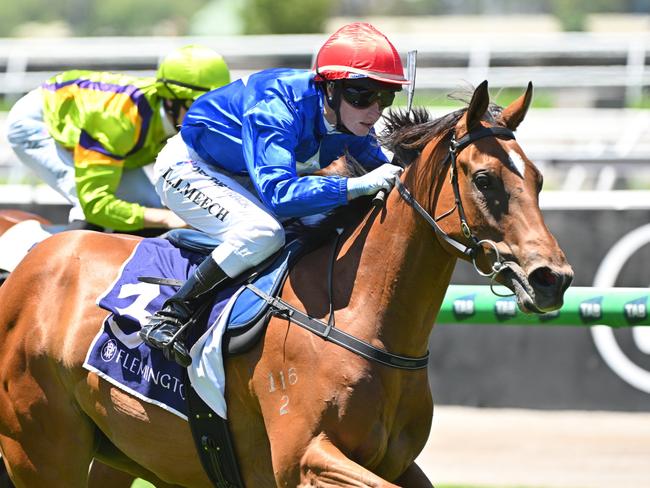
x=362, y=97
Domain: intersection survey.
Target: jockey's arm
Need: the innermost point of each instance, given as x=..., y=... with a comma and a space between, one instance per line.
x=269, y=136
x=97, y=177
x=162, y=218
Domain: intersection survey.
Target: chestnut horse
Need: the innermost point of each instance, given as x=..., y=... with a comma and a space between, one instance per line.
x=339, y=419
x=100, y=474
x=10, y=217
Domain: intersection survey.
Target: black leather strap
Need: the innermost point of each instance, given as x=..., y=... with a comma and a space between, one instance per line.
x=337, y=336
x=455, y=146
x=213, y=441
x=470, y=137
x=408, y=198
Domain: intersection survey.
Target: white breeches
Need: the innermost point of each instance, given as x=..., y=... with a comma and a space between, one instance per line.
x=218, y=203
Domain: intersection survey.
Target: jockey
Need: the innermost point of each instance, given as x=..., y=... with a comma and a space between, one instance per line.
x=89, y=134
x=242, y=161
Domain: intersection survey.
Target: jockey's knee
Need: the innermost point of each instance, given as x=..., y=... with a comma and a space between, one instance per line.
x=24, y=133
x=24, y=125
x=248, y=245
x=265, y=239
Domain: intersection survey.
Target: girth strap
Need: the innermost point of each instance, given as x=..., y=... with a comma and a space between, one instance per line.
x=337, y=336
x=213, y=441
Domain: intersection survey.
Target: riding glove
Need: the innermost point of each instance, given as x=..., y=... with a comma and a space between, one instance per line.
x=382, y=178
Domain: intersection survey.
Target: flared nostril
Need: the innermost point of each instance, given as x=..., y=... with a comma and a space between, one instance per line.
x=549, y=282
x=543, y=277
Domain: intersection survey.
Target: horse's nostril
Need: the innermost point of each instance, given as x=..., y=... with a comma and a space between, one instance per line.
x=543, y=277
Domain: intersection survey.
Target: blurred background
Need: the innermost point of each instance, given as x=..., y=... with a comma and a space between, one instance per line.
x=587, y=60
x=588, y=131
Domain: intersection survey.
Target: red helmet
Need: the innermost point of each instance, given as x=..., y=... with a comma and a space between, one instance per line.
x=359, y=50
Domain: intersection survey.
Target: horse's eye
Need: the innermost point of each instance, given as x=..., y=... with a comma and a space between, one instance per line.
x=482, y=181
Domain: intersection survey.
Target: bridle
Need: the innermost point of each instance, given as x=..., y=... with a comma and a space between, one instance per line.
x=329, y=332
x=474, y=245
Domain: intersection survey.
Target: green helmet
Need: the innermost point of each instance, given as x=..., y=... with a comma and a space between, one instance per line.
x=188, y=72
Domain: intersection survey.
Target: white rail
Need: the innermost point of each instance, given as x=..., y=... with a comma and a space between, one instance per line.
x=552, y=60
x=575, y=148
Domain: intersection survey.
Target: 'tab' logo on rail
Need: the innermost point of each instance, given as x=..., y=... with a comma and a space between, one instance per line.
x=636, y=311
x=464, y=306
x=592, y=309
x=505, y=308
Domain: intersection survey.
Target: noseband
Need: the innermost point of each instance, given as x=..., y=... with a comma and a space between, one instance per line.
x=471, y=249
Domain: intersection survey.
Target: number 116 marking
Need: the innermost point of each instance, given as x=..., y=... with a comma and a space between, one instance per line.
x=291, y=378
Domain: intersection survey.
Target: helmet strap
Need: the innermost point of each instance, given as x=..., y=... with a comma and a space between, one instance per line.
x=334, y=101
x=173, y=106
x=167, y=82
x=173, y=109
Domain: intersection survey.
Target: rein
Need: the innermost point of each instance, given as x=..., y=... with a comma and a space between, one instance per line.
x=329, y=332
x=469, y=250
x=333, y=334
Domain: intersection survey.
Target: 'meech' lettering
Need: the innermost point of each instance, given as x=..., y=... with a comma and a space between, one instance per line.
x=197, y=196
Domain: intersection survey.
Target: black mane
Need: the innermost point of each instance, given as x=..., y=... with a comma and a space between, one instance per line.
x=407, y=133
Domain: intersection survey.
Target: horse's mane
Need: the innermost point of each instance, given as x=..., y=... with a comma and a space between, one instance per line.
x=406, y=133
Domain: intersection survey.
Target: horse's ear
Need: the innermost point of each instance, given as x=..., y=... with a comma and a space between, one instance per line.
x=514, y=113
x=477, y=107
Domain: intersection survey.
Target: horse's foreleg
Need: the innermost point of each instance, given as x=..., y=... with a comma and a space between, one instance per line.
x=323, y=464
x=414, y=477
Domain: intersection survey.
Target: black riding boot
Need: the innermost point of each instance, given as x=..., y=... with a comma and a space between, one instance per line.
x=163, y=326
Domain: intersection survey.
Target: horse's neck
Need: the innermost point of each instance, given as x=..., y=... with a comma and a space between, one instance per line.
x=400, y=280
